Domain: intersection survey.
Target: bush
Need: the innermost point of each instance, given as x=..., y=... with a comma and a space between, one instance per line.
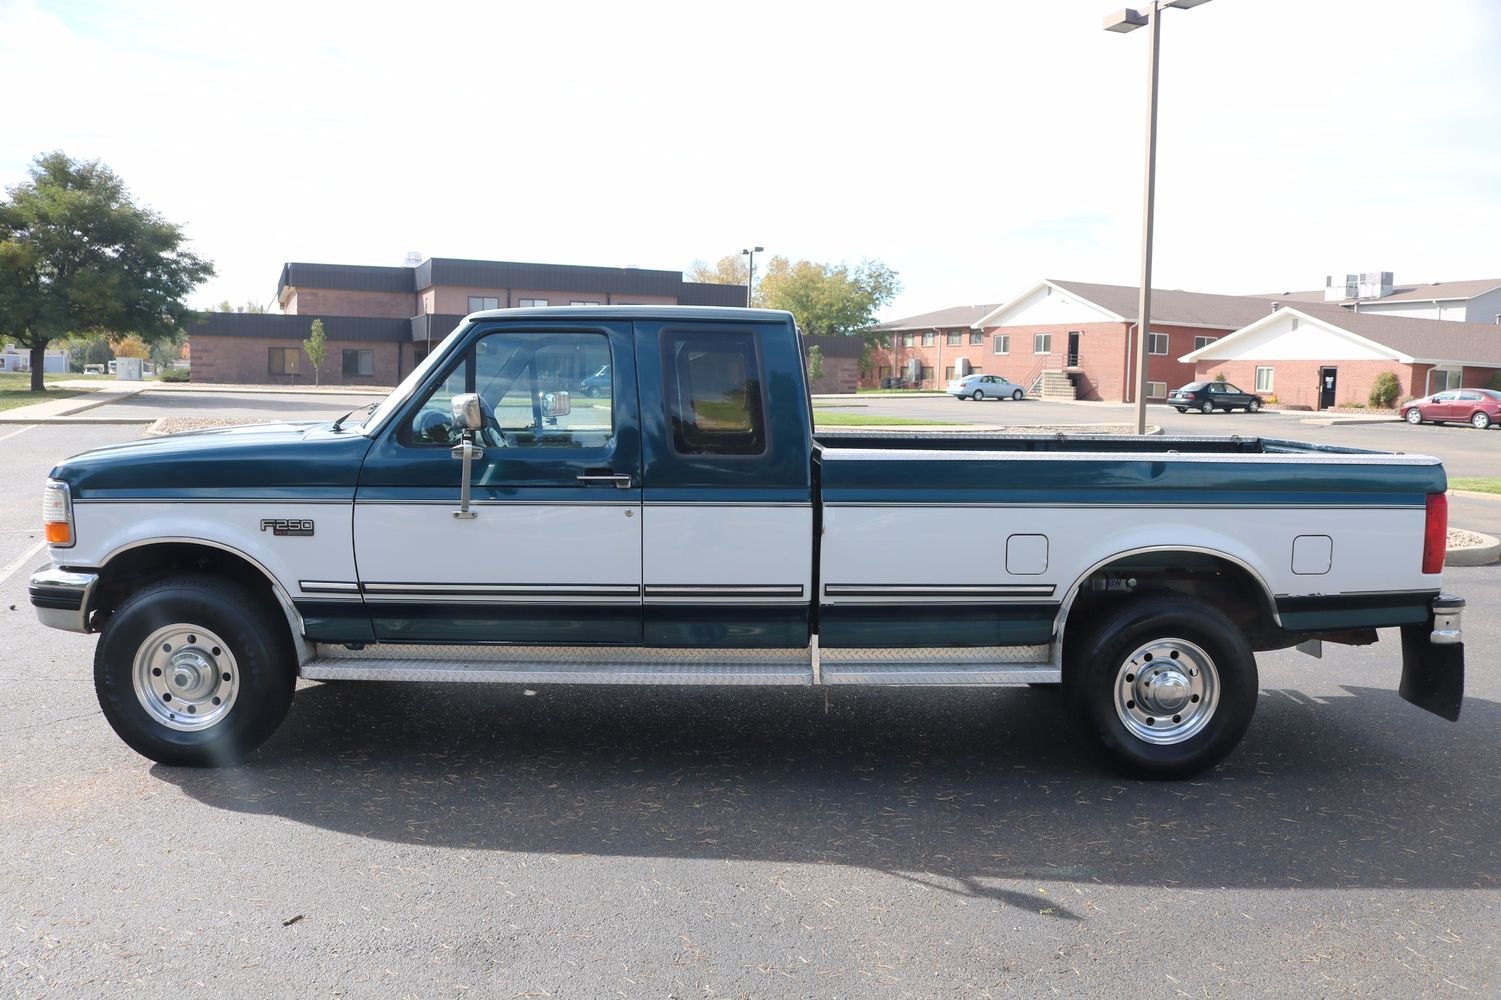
x=173, y=375
x=1221, y=377
x=1384, y=390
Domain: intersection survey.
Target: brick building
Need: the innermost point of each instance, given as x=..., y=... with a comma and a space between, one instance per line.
x=1314, y=357
x=380, y=321
x=926, y=350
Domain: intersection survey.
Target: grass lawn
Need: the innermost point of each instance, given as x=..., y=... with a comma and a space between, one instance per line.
x=15, y=389
x=823, y=418
x=1480, y=484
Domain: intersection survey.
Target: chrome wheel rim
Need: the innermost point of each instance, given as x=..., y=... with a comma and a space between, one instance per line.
x=979, y=395
x=1414, y=417
x=1480, y=420
x=1166, y=691
x=185, y=677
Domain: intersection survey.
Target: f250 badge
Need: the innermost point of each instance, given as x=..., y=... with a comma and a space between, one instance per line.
x=287, y=526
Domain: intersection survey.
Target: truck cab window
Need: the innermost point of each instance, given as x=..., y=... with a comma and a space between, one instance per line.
x=536, y=389
x=713, y=394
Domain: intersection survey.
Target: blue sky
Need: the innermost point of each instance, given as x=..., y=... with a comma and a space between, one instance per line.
x=975, y=148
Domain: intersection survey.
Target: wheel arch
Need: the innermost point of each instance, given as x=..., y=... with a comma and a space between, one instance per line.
x=1248, y=590
x=150, y=559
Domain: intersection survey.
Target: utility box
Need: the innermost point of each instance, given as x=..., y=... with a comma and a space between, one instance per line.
x=129, y=369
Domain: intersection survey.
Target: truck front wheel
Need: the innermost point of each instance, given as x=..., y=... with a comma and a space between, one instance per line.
x=1166, y=686
x=195, y=672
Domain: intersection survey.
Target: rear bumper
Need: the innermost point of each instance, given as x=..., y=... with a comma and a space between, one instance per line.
x=61, y=597
x=1433, y=659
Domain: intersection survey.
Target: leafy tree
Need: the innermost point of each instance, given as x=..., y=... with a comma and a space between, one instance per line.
x=815, y=363
x=167, y=352
x=129, y=346
x=828, y=298
x=77, y=255
x=1384, y=390
x=88, y=349
x=248, y=307
x=316, y=347
x=728, y=270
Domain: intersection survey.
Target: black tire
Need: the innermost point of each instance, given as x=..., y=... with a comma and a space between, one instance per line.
x=1017, y=394
x=1100, y=660
x=1181, y=409
x=1480, y=420
x=256, y=654
x=1414, y=416
x=1253, y=406
x=979, y=395
x=1207, y=406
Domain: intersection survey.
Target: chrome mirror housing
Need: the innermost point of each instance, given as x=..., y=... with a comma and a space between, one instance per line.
x=467, y=414
x=556, y=404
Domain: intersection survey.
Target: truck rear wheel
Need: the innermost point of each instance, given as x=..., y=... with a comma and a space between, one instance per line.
x=1166, y=686
x=195, y=672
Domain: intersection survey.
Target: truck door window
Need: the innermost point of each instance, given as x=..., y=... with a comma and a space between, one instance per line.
x=541, y=390
x=714, y=393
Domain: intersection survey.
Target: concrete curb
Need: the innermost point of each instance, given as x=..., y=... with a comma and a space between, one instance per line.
x=99, y=421
x=1475, y=495
x=1483, y=554
x=1348, y=421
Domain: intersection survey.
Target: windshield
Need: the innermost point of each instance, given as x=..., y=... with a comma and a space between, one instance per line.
x=409, y=384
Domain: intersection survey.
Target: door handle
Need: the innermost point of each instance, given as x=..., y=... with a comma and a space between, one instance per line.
x=621, y=481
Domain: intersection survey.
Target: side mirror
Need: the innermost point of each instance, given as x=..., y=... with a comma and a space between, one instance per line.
x=556, y=404
x=467, y=414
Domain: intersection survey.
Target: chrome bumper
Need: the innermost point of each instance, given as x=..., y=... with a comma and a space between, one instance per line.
x=61, y=597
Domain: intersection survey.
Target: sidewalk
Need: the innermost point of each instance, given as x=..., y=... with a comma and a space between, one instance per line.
x=65, y=411
x=158, y=386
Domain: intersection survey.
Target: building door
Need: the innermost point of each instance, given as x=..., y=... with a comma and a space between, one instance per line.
x=1073, y=349
x=552, y=551
x=1326, y=387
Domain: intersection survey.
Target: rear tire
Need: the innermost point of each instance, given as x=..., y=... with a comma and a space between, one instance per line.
x=1480, y=421
x=979, y=395
x=1206, y=407
x=195, y=671
x=1181, y=409
x=1167, y=721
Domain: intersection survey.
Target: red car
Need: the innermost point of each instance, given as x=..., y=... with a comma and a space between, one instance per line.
x=1479, y=407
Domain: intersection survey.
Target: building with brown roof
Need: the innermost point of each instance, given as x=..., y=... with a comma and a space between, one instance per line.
x=926, y=350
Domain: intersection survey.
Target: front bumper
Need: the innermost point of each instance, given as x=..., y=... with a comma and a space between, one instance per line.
x=1433, y=660
x=61, y=597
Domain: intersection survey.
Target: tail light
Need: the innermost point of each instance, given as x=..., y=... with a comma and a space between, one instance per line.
x=57, y=513
x=1435, y=533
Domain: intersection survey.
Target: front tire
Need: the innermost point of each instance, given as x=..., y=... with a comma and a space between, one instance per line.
x=195, y=672
x=1206, y=407
x=1017, y=394
x=1414, y=416
x=1480, y=421
x=1253, y=406
x=1166, y=686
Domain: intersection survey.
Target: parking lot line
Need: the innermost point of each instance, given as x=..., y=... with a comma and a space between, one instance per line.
x=21, y=560
x=23, y=430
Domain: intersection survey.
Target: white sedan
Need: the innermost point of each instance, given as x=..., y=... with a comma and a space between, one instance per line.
x=984, y=387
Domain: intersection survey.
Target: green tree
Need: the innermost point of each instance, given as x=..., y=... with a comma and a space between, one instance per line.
x=1384, y=390
x=815, y=363
x=832, y=299
x=248, y=307
x=316, y=347
x=77, y=255
x=728, y=270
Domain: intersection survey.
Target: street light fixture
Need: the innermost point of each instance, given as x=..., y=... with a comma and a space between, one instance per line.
x=750, y=277
x=1123, y=21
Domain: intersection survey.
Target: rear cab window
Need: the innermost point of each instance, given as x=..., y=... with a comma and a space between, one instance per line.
x=714, y=393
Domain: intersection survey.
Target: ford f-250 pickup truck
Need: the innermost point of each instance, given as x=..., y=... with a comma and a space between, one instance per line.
x=683, y=524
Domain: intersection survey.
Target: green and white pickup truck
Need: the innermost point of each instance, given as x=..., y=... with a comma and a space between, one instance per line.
x=636, y=495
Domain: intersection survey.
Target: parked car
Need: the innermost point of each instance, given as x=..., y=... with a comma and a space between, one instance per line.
x=1479, y=407
x=598, y=384
x=1206, y=397
x=982, y=386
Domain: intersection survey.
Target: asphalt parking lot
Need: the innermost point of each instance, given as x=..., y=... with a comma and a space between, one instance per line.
x=427, y=841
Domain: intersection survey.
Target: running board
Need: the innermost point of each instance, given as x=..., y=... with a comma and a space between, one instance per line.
x=632, y=665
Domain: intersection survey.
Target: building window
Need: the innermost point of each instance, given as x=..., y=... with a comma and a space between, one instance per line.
x=1156, y=343
x=925, y=374
x=359, y=362
x=583, y=302
x=1264, y=379
x=976, y=338
x=1156, y=390
x=283, y=360
x=948, y=374
x=1003, y=343
x=909, y=340
x=956, y=340
x=478, y=302
x=1042, y=343
x=929, y=339
x=976, y=370
x=524, y=303
x=1200, y=342
x=883, y=373
x=1444, y=378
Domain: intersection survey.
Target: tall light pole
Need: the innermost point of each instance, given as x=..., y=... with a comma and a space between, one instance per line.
x=1124, y=21
x=750, y=277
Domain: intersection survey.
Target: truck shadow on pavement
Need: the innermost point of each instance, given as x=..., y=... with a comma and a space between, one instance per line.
x=965, y=790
